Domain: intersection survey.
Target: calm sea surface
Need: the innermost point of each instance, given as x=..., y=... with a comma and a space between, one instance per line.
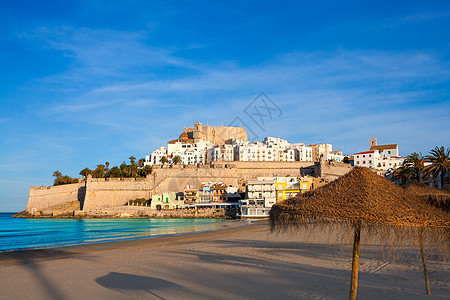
x=21, y=233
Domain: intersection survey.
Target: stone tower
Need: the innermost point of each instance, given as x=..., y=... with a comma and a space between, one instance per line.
x=198, y=132
x=373, y=142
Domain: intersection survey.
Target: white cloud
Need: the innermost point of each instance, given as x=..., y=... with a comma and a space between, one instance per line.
x=4, y=120
x=359, y=91
x=425, y=16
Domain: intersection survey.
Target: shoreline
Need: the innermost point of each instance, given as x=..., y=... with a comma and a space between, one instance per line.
x=16, y=256
x=132, y=212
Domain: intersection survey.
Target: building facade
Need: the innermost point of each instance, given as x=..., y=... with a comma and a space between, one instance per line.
x=167, y=200
x=261, y=196
x=380, y=157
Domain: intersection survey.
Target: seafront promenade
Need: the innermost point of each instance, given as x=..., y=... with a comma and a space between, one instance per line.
x=246, y=262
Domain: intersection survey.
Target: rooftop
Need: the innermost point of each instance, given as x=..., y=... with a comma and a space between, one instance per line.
x=365, y=152
x=384, y=147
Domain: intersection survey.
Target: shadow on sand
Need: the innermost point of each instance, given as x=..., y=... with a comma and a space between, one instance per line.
x=134, y=284
x=30, y=259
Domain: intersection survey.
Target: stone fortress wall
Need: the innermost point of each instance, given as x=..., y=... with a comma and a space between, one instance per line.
x=97, y=193
x=102, y=193
x=44, y=197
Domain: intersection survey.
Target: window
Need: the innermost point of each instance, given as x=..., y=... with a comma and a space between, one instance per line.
x=370, y=161
x=364, y=155
x=389, y=152
x=364, y=162
x=370, y=155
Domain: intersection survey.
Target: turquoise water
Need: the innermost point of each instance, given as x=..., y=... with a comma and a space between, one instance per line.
x=21, y=233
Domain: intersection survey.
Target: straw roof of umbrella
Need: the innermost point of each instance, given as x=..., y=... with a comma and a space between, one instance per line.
x=423, y=189
x=433, y=196
x=363, y=197
x=360, y=195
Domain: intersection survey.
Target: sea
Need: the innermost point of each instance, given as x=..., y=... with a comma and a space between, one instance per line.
x=23, y=234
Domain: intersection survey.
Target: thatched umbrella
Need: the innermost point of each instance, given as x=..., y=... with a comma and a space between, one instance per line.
x=433, y=196
x=362, y=197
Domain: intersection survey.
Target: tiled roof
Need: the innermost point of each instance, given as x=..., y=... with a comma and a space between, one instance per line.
x=384, y=147
x=365, y=152
x=219, y=186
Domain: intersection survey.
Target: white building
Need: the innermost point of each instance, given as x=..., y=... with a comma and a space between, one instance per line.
x=271, y=149
x=390, y=162
x=302, y=152
x=288, y=155
x=334, y=155
x=381, y=157
x=261, y=196
x=154, y=158
x=253, y=152
x=385, y=150
x=190, y=153
x=322, y=149
x=167, y=200
x=273, y=141
x=368, y=159
x=221, y=153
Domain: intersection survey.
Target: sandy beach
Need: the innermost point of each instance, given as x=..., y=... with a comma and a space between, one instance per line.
x=246, y=262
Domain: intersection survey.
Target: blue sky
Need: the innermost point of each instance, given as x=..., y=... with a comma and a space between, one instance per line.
x=84, y=82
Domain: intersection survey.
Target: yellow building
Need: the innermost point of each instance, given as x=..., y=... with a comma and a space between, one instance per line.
x=288, y=187
x=306, y=184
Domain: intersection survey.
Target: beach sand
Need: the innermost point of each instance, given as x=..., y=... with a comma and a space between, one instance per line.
x=246, y=262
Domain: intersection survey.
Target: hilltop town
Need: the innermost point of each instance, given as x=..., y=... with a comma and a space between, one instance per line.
x=210, y=171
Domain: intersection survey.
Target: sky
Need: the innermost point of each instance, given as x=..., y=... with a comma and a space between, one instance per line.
x=85, y=82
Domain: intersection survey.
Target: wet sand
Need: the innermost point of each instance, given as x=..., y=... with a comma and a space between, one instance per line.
x=245, y=262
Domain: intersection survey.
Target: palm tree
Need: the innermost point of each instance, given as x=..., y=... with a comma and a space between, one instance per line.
x=58, y=178
x=134, y=169
x=85, y=172
x=125, y=170
x=176, y=159
x=163, y=160
x=114, y=172
x=133, y=166
x=402, y=174
x=440, y=163
x=141, y=162
x=414, y=162
x=99, y=172
x=106, y=169
x=146, y=170
x=57, y=174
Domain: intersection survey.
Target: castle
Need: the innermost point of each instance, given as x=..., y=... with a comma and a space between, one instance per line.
x=215, y=134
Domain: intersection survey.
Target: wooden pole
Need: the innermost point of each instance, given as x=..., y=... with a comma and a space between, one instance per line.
x=355, y=261
x=424, y=262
